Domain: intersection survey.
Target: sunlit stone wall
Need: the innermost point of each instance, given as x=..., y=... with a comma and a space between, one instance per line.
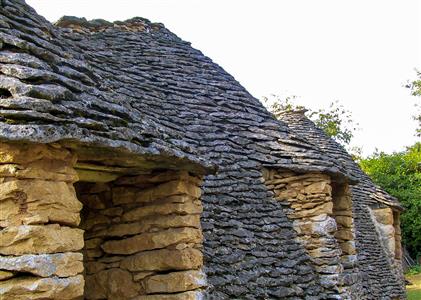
x=39, y=218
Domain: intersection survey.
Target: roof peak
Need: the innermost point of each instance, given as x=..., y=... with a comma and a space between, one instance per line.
x=82, y=25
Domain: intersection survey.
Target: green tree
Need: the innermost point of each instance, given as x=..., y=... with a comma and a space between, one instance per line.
x=415, y=87
x=335, y=121
x=400, y=175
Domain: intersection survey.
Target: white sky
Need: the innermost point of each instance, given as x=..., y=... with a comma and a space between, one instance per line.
x=358, y=52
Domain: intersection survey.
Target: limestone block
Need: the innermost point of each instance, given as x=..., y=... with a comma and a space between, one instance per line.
x=324, y=227
x=6, y=275
x=348, y=247
x=343, y=203
x=175, y=282
x=162, y=209
x=155, y=240
x=141, y=275
x=113, y=284
x=286, y=194
x=93, y=219
x=38, y=201
x=50, y=162
x=44, y=265
x=384, y=215
x=345, y=235
x=26, y=153
x=92, y=267
x=93, y=243
x=192, y=295
x=124, y=195
x=323, y=252
x=387, y=231
x=92, y=254
x=345, y=221
x=329, y=281
x=39, y=239
x=325, y=208
x=144, y=225
x=318, y=188
x=53, y=169
x=31, y=288
x=164, y=259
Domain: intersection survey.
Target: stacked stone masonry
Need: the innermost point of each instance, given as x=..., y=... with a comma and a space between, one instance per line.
x=139, y=92
x=381, y=277
x=143, y=238
x=387, y=223
x=140, y=236
x=40, y=241
x=322, y=218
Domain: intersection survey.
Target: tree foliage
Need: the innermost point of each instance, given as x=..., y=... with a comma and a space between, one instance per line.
x=400, y=175
x=335, y=121
x=415, y=87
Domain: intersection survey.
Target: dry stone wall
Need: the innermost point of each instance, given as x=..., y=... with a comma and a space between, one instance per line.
x=39, y=217
x=387, y=224
x=143, y=237
x=140, y=237
x=323, y=222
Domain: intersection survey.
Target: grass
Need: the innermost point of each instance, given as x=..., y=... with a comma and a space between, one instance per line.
x=414, y=290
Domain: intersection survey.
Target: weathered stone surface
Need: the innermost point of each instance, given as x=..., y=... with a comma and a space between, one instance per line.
x=40, y=239
x=175, y=282
x=345, y=235
x=44, y=265
x=192, y=295
x=26, y=153
x=162, y=209
x=348, y=248
x=6, y=275
x=52, y=169
x=343, y=203
x=31, y=288
x=111, y=284
x=345, y=221
x=93, y=243
x=164, y=259
x=93, y=219
x=325, y=208
x=324, y=227
x=92, y=267
x=155, y=240
x=146, y=224
x=318, y=187
x=175, y=187
x=384, y=215
x=141, y=275
x=38, y=201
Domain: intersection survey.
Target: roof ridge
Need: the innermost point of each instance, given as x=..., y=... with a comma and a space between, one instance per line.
x=81, y=24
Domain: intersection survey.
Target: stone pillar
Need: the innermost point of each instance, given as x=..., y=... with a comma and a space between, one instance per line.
x=39, y=216
x=398, y=236
x=345, y=235
x=385, y=226
x=309, y=197
x=143, y=237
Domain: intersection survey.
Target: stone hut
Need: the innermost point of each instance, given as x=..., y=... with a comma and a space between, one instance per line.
x=376, y=216
x=133, y=167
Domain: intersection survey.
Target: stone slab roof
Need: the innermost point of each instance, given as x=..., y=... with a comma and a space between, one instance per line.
x=377, y=271
x=136, y=86
x=299, y=123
